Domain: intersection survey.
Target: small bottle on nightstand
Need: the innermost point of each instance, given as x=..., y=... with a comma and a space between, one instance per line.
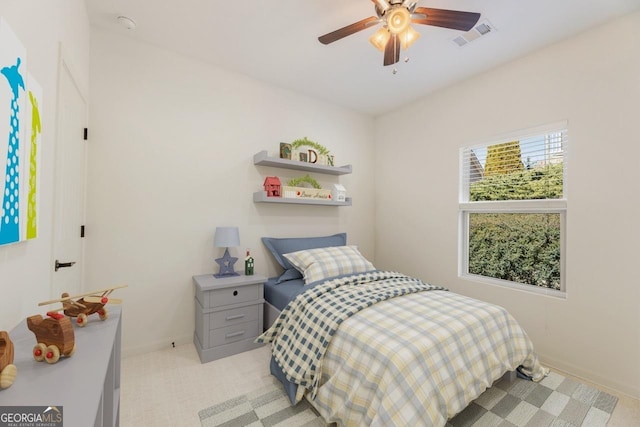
x=248, y=265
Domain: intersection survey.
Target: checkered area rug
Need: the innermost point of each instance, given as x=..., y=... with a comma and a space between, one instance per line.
x=555, y=401
x=266, y=407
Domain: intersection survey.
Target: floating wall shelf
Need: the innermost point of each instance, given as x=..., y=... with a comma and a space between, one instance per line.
x=261, y=197
x=262, y=158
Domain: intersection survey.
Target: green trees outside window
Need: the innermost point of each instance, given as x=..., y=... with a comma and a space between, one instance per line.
x=513, y=206
x=531, y=184
x=521, y=248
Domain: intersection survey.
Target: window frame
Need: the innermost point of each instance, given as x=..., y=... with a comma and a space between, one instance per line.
x=552, y=206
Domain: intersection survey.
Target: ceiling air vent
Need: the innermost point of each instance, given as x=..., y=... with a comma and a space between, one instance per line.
x=481, y=29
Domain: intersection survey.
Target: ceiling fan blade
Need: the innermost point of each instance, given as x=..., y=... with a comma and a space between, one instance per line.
x=348, y=30
x=392, y=50
x=454, y=19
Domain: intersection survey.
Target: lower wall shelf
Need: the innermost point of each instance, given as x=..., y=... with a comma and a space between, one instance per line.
x=261, y=197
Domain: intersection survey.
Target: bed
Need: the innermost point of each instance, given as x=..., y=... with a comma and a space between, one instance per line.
x=380, y=348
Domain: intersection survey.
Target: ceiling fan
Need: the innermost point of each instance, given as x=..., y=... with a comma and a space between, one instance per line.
x=396, y=17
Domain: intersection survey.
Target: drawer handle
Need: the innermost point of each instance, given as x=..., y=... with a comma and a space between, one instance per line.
x=235, y=293
x=237, y=316
x=234, y=334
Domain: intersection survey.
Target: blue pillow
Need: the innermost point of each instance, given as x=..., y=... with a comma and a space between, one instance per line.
x=280, y=246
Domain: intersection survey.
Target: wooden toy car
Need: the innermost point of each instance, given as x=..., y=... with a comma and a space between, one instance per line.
x=8, y=370
x=83, y=305
x=55, y=336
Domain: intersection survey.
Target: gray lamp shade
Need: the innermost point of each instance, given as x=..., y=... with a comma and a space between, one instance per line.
x=226, y=237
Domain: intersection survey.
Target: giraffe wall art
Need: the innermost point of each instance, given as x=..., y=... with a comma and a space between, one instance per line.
x=19, y=160
x=32, y=152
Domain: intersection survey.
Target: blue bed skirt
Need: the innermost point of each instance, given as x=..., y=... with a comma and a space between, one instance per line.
x=289, y=387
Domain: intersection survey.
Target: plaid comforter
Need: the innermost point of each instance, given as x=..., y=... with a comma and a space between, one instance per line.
x=413, y=360
x=305, y=327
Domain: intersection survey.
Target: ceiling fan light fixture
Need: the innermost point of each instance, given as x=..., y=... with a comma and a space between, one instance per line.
x=380, y=38
x=408, y=37
x=398, y=20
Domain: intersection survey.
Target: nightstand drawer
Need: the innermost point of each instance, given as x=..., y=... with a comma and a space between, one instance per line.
x=235, y=295
x=226, y=318
x=234, y=333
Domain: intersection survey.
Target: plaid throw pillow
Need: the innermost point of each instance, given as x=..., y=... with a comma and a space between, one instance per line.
x=323, y=263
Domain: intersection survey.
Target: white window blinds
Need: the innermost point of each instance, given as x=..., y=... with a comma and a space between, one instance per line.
x=522, y=168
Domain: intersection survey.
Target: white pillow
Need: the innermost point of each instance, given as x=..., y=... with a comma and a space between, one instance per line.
x=323, y=263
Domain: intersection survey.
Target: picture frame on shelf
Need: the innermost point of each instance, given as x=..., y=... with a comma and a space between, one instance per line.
x=285, y=151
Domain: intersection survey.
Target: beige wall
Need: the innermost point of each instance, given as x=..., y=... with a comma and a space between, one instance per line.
x=44, y=28
x=593, y=82
x=171, y=158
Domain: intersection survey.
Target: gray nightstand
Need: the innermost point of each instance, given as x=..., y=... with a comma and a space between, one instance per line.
x=229, y=314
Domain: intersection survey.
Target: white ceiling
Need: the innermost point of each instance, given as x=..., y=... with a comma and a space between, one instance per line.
x=277, y=41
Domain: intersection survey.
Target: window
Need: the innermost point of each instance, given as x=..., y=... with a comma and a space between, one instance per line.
x=513, y=209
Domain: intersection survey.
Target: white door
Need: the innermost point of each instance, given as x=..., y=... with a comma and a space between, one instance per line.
x=69, y=187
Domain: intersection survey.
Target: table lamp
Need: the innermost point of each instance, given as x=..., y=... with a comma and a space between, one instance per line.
x=226, y=237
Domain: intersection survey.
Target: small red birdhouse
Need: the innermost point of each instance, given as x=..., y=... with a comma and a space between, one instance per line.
x=272, y=186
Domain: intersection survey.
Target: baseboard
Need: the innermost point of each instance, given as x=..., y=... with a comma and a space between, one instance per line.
x=598, y=380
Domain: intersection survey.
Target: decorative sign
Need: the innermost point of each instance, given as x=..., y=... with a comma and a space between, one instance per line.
x=305, y=150
x=305, y=193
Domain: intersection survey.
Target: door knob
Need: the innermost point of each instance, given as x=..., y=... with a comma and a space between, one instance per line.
x=63, y=264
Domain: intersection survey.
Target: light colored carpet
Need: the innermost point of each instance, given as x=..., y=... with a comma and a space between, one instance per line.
x=556, y=401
